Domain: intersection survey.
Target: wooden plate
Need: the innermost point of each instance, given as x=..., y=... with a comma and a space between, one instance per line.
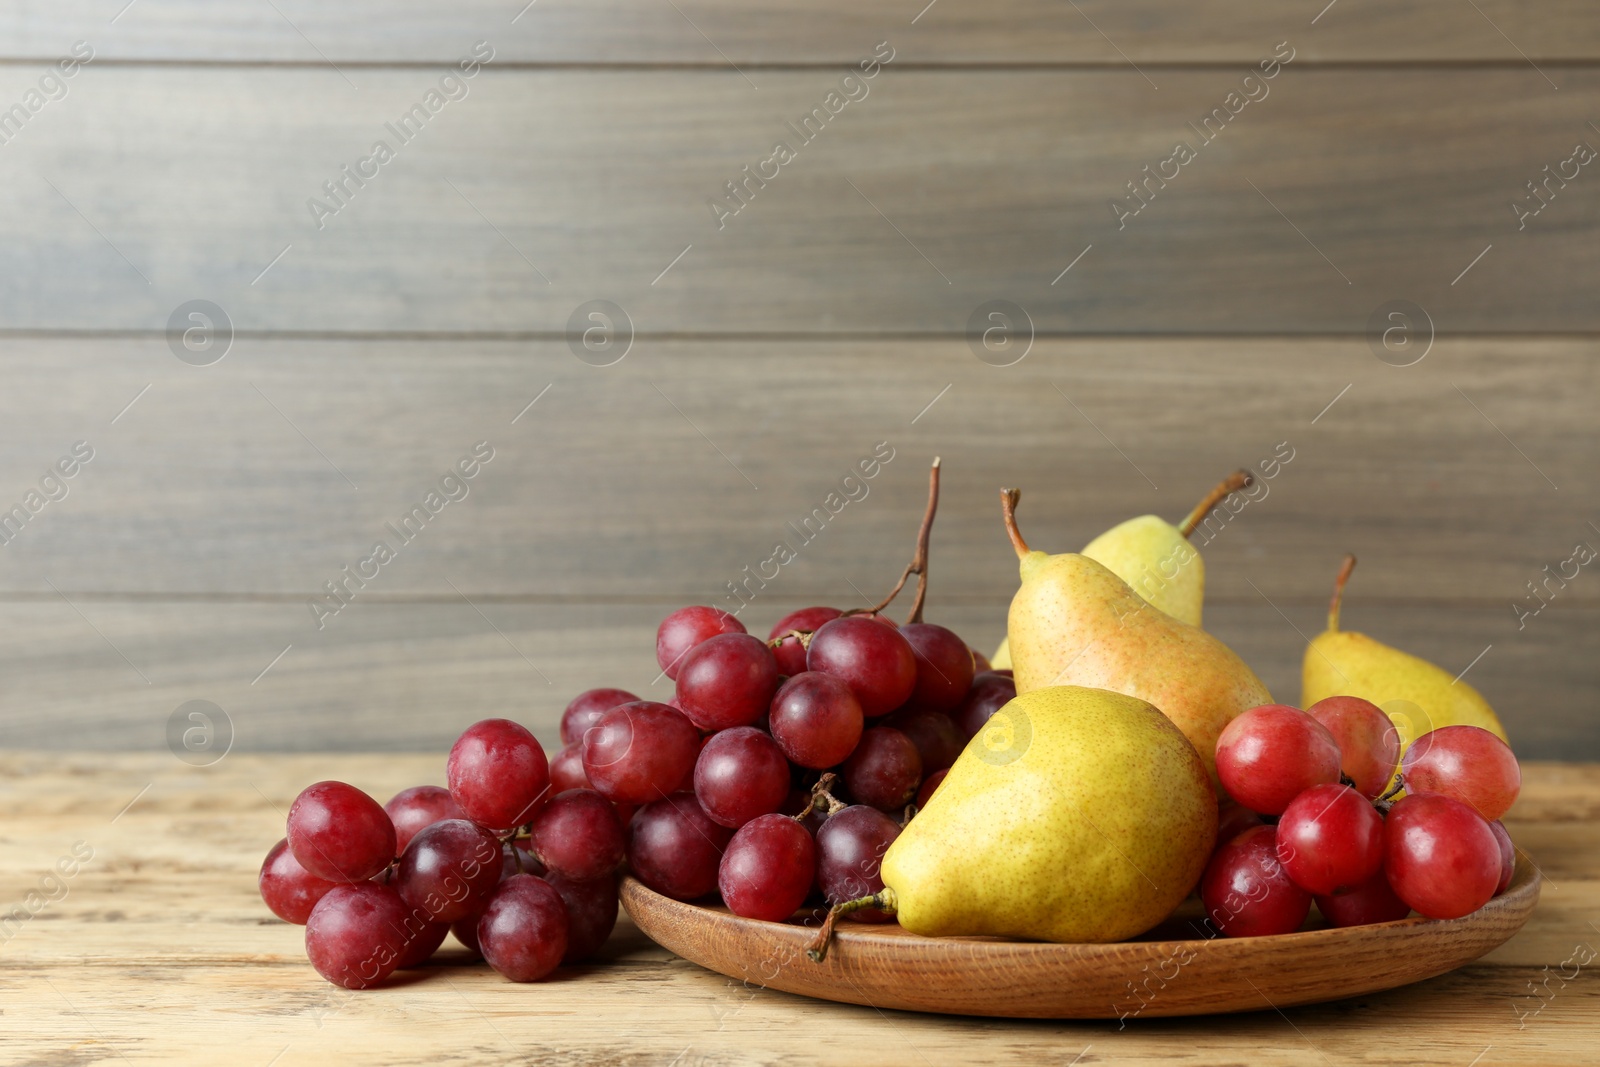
x=1162, y=973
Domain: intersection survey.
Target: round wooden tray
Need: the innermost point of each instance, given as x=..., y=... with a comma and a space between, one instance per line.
x=1162, y=973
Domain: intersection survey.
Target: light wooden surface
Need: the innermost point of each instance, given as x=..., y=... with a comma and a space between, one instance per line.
x=160, y=952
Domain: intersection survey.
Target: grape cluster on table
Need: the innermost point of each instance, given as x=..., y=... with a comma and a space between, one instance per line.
x=778, y=773
x=1311, y=820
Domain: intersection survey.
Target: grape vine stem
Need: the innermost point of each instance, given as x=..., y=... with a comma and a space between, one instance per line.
x=919, y=562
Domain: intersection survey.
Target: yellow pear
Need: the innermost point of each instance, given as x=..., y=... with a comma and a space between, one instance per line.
x=1074, y=815
x=1416, y=694
x=1073, y=622
x=1155, y=558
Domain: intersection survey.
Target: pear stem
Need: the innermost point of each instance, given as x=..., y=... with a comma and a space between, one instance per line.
x=1339, y=579
x=1008, y=508
x=919, y=562
x=1239, y=479
x=883, y=900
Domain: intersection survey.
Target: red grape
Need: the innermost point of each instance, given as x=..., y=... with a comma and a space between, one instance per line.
x=466, y=931
x=289, y=889
x=675, y=848
x=579, y=835
x=884, y=770
x=938, y=740
x=790, y=655
x=944, y=666
x=422, y=944
x=1271, y=754
x=591, y=913
x=523, y=931
x=686, y=628
x=1370, y=902
x=1233, y=819
x=421, y=805
x=850, y=848
x=1465, y=763
x=990, y=692
x=1330, y=838
x=741, y=774
x=640, y=752
x=1508, y=855
x=498, y=774
x=768, y=868
x=566, y=770
x=586, y=709
x=930, y=786
x=980, y=663
x=873, y=659
x=357, y=934
x=816, y=720
x=727, y=680
x=449, y=870
x=1246, y=891
x=1369, y=744
x=1441, y=856
x=340, y=834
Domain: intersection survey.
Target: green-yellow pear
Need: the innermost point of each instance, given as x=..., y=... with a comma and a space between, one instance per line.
x=1415, y=694
x=1074, y=815
x=1073, y=622
x=1156, y=559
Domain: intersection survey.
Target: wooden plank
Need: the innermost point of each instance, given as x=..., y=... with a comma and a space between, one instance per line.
x=398, y=676
x=706, y=31
x=629, y=482
x=542, y=190
x=162, y=926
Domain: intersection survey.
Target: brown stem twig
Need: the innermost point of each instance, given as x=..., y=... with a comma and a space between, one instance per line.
x=1339, y=579
x=883, y=900
x=1008, y=507
x=919, y=562
x=1239, y=479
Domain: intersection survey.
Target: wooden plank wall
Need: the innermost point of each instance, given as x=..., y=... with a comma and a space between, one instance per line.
x=771, y=349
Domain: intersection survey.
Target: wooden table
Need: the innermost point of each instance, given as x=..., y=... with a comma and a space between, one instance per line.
x=158, y=950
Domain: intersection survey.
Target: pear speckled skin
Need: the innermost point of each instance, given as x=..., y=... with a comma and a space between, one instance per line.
x=1157, y=562
x=1075, y=815
x=1073, y=622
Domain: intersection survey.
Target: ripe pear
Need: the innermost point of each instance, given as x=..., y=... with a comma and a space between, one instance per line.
x=1074, y=622
x=1074, y=815
x=1155, y=558
x=1417, y=695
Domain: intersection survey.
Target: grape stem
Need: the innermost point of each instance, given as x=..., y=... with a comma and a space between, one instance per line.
x=919, y=562
x=1339, y=579
x=1239, y=479
x=820, y=795
x=884, y=900
x=803, y=636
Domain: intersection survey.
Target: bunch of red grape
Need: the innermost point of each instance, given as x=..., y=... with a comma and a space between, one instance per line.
x=1311, y=819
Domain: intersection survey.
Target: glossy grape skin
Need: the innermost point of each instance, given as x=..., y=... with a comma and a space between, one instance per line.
x=935, y=734
x=675, y=848
x=566, y=770
x=586, y=709
x=791, y=656
x=340, y=834
x=873, y=659
x=727, y=681
x=1271, y=754
x=884, y=770
x=1369, y=744
x=1466, y=763
x=591, y=913
x=289, y=889
x=944, y=667
x=356, y=934
x=816, y=720
x=421, y=805
x=741, y=774
x=498, y=773
x=1246, y=892
x=1330, y=838
x=850, y=848
x=422, y=944
x=578, y=834
x=1370, y=902
x=686, y=628
x=990, y=692
x=1508, y=855
x=449, y=870
x=930, y=785
x=1442, y=859
x=640, y=752
x=523, y=931
x=768, y=868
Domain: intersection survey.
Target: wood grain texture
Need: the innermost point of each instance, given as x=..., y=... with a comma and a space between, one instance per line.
x=715, y=32
x=541, y=190
x=160, y=952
